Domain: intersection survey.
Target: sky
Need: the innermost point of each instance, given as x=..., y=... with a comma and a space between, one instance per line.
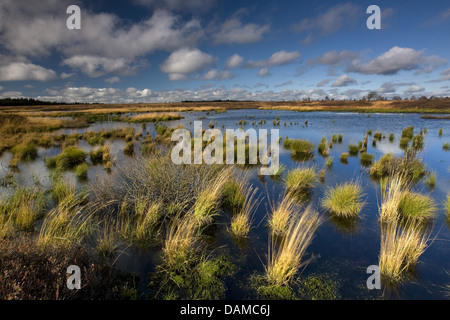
x=142, y=51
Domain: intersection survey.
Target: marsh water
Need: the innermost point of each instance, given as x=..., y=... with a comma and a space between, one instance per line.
x=341, y=250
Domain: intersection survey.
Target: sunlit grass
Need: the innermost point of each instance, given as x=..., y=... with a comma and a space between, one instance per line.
x=241, y=222
x=400, y=248
x=344, y=200
x=281, y=215
x=300, y=179
x=416, y=206
x=285, y=261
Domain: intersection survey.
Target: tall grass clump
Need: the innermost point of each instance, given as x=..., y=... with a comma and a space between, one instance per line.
x=344, y=200
x=366, y=158
x=285, y=261
x=180, y=241
x=208, y=201
x=408, y=133
x=391, y=192
x=25, y=151
x=69, y=158
x=353, y=150
x=300, y=148
x=300, y=179
x=400, y=249
x=281, y=215
x=241, y=221
x=81, y=171
x=69, y=222
x=323, y=148
x=410, y=166
x=416, y=207
x=20, y=209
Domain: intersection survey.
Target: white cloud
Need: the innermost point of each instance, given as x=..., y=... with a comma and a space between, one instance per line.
x=234, y=31
x=344, y=81
x=331, y=20
x=324, y=82
x=112, y=80
x=398, y=59
x=185, y=61
x=414, y=89
x=21, y=71
x=264, y=72
x=39, y=32
x=179, y=5
x=135, y=93
x=95, y=66
x=279, y=58
x=12, y=94
x=234, y=61
x=215, y=74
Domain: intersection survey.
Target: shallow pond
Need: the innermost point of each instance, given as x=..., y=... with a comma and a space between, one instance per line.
x=341, y=250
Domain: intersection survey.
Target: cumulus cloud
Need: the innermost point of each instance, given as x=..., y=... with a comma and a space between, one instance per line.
x=324, y=82
x=112, y=80
x=95, y=66
x=37, y=30
x=332, y=20
x=279, y=58
x=391, y=87
x=136, y=93
x=334, y=59
x=215, y=74
x=21, y=71
x=234, y=61
x=344, y=81
x=11, y=94
x=264, y=72
x=234, y=31
x=179, y=5
x=398, y=59
x=414, y=89
x=184, y=61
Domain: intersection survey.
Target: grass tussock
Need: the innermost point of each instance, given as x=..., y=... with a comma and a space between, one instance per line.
x=410, y=166
x=301, y=149
x=344, y=200
x=181, y=240
x=69, y=158
x=68, y=223
x=282, y=214
x=20, y=209
x=416, y=207
x=208, y=201
x=400, y=248
x=242, y=221
x=285, y=261
x=300, y=179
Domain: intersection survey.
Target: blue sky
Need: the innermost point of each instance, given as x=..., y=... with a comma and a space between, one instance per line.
x=173, y=50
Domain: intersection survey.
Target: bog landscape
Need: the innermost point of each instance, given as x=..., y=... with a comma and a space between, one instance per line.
x=94, y=186
x=240, y=152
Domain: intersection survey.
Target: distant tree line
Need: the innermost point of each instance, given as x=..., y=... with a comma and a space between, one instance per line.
x=30, y=102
